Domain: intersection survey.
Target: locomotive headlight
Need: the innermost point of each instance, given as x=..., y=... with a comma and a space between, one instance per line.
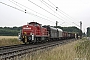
x=18, y=35
x=27, y=26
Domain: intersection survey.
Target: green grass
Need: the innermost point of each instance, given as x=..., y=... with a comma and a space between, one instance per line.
x=83, y=49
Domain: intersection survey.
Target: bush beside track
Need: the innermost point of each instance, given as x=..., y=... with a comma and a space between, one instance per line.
x=9, y=31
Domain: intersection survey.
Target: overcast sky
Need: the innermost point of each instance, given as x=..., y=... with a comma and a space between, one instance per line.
x=69, y=12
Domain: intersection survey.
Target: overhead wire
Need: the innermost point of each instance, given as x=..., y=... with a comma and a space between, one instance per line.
x=22, y=10
x=53, y=11
x=12, y=7
x=65, y=14
x=25, y=11
x=44, y=9
x=58, y=8
x=16, y=3
x=46, y=4
x=51, y=3
x=62, y=12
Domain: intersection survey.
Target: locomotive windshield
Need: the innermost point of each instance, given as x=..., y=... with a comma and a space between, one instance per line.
x=36, y=24
x=30, y=25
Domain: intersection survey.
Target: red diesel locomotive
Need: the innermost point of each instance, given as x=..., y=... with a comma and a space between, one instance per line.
x=33, y=32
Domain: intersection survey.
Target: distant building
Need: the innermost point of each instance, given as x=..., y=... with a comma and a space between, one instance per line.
x=88, y=32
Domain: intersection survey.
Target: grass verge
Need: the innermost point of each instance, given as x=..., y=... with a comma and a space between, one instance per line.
x=78, y=50
x=83, y=49
x=64, y=52
x=9, y=40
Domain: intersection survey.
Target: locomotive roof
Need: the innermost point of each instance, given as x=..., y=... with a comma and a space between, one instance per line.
x=34, y=22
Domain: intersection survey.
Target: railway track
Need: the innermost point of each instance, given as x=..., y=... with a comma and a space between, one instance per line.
x=12, y=46
x=18, y=50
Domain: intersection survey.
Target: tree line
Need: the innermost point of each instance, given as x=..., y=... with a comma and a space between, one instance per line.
x=71, y=29
x=9, y=31
x=13, y=31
